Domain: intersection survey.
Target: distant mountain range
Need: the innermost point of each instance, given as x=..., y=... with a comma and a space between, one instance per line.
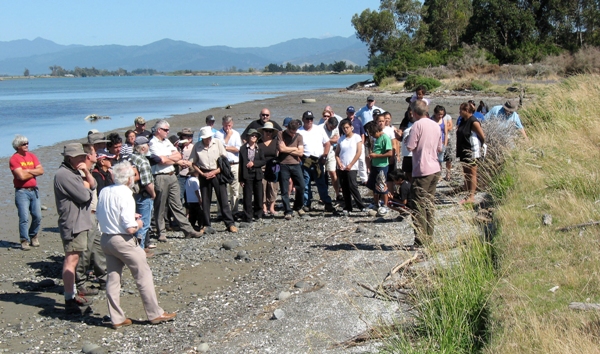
x=169, y=55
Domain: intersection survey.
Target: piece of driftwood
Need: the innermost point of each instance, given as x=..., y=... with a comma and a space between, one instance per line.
x=402, y=265
x=376, y=292
x=376, y=332
x=568, y=228
x=584, y=306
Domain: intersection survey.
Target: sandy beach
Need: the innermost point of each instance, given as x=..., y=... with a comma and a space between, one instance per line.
x=223, y=304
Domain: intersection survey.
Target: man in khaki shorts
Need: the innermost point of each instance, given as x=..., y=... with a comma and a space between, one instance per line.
x=73, y=195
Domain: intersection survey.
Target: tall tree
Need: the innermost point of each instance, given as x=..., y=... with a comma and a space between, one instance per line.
x=447, y=21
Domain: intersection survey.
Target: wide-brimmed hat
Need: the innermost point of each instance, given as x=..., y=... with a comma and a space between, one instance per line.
x=511, y=105
x=205, y=132
x=185, y=131
x=73, y=150
x=267, y=126
x=254, y=132
x=96, y=138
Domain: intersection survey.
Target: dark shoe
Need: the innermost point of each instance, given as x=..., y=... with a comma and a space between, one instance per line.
x=194, y=234
x=208, y=230
x=35, y=241
x=162, y=238
x=85, y=291
x=78, y=305
x=329, y=208
x=165, y=317
x=339, y=198
x=125, y=323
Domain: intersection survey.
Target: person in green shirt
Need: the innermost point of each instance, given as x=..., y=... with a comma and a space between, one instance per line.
x=380, y=153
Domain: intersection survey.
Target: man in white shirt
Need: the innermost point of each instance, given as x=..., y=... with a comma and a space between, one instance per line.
x=166, y=186
x=316, y=149
x=232, y=141
x=365, y=114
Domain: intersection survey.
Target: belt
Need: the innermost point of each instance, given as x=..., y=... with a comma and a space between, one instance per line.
x=166, y=174
x=233, y=163
x=28, y=188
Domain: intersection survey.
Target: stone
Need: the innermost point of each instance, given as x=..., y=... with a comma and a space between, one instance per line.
x=372, y=212
x=244, y=225
x=547, y=219
x=230, y=244
x=46, y=283
x=278, y=314
x=203, y=347
x=302, y=284
x=44, y=207
x=361, y=229
x=284, y=295
x=91, y=348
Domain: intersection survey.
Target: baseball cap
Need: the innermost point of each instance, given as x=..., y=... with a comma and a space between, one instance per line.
x=371, y=98
x=350, y=109
x=210, y=117
x=286, y=121
x=308, y=115
x=139, y=120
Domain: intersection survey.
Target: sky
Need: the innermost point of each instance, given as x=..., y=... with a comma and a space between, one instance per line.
x=239, y=23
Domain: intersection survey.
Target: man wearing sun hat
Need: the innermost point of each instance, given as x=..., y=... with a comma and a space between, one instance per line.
x=73, y=196
x=508, y=113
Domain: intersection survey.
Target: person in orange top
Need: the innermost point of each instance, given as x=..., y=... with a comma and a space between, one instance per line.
x=25, y=167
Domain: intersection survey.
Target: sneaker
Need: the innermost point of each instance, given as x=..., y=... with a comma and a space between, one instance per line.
x=25, y=245
x=329, y=207
x=345, y=212
x=85, y=291
x=288, y=216
x=162, y=238
x=301, y=211
x=35, y=241
x=232, y=228
x=382, y=211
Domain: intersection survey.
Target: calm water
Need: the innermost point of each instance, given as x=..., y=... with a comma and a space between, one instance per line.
x=51, y=110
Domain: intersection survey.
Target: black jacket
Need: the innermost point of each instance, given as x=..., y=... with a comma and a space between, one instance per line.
x=225, y=176
x=255, y=172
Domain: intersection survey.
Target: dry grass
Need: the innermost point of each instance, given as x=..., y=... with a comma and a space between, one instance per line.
x=556, y=173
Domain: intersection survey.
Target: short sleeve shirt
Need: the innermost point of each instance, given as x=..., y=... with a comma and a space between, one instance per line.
x=235, y=140
x=381, y=146
x=348, y=149
x=192, y=184
x=500, y=113
x=161, y=148
x=314, y=139
x=296, y=141
x=27, y=162
x=206, y=157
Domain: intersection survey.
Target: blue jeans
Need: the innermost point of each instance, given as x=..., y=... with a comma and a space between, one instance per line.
x=28, y=202
x=295, y=173
x=143, y=206
x=310, y=174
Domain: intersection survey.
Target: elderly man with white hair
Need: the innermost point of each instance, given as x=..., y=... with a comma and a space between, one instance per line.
x=119, y=223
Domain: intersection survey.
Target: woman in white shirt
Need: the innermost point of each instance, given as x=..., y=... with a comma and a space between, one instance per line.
x=347, y=154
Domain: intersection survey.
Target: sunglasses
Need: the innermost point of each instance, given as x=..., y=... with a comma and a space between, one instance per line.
x=166, y=130
x=24, y=144
x=264, y=115
x=327, y=116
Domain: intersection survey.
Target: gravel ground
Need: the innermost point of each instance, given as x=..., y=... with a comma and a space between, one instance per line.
x=276, y=286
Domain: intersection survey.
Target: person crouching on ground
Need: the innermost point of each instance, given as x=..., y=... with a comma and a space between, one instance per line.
x=252, y=159
x=119, y=223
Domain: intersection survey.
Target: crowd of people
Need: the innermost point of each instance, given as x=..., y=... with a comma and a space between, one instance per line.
x=113, y=194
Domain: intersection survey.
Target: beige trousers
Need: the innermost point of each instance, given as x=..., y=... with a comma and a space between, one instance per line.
x=123, y=250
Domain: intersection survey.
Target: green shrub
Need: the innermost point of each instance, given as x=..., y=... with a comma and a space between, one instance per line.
x=414, y=81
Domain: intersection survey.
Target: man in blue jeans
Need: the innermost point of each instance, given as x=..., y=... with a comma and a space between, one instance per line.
x=316, y=149
x=144, y=190
x=25, y=167
x=291, y=148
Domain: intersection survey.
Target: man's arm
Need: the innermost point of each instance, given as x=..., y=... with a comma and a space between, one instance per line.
x=150, y=189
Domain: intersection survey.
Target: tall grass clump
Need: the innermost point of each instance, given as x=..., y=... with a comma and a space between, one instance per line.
x=555, y=173
x=451, y=304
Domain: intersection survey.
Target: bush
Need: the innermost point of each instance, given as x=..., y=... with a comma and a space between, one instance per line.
x=414, y=81
x=468, y=58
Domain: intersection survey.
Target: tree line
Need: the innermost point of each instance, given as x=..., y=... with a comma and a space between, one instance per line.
x=338, y=66
x=417, y=34
x=56, y=70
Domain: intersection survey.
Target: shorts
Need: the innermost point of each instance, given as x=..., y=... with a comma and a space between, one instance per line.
x=372, y=181
x=407, y=165
x=330, y=163
x=77, y=244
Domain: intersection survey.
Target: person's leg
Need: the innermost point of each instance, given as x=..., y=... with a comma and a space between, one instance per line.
x=84, y=262
x=321, y=182
x=258, y=195
x=471, y=178
x=417, y=202
x=68, y=273
x=114, y=269
x=206, y=194
x=144, y=208
x=233, y=189
x=181, y=181
x=98, y=261
x=265, y=206
x=432, y=184
x=306, y=178
x=135, y=259
x=35, y=208
x=284, y=178
x=353, y=190
x=221, y=193
x=160, y=202
x=344, y=183
x=362, y=167
x=247, y=193
x=22, y=202
x=271, y=192
x=297, y=177
x=174, y=203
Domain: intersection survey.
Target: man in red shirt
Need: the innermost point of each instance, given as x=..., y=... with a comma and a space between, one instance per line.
x=25, y=167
